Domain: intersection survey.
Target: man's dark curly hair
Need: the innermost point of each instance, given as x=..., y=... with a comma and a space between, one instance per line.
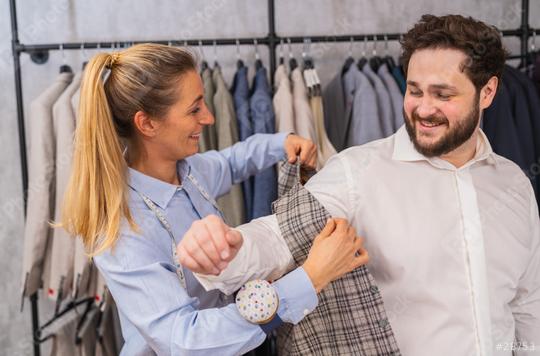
x=480, y=42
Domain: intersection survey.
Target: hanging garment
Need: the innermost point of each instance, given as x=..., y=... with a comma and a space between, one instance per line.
x=262, y=116
x=399, y=77
x=64, y=331
x=240, y=92
x=325, y=150
x=533, y=101
x=109, y=342
x=336, y=121
x=232, y=204
x=209, y=135
x=63, y=245
x=283, y=101
x=383, y=101
x=350, y=318
x=41, y=170
x=303, y=117
x=500, y=127
x=395, y=96
x=361, y=106
x=82, y=272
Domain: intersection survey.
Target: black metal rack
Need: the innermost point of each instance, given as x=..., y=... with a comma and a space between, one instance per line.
x=39, y=54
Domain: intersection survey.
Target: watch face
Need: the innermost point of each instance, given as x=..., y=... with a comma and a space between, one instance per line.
x=257, y=301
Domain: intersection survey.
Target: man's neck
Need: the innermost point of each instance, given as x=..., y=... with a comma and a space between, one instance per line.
x=464, y=153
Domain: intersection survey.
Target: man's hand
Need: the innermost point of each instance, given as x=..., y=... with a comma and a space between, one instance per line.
x=299, y=146
x=208, y=246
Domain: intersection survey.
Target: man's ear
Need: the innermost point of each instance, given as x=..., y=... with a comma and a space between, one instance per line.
x=487, y=93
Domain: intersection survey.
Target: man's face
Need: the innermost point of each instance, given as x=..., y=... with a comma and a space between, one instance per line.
x=441, y=106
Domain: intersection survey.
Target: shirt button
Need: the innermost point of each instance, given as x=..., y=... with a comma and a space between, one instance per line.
x=383, y=323
x=306, y=312
x=374, y=289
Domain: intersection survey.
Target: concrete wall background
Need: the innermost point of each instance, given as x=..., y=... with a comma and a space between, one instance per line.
x=56, y=21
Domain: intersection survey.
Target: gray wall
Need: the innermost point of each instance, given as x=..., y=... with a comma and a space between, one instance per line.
x=102, y=20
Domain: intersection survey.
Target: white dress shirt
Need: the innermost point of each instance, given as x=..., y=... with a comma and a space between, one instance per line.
x=455, y=251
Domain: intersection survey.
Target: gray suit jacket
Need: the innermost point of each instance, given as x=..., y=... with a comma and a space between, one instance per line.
x=361, y=106
x=232, y=204
x=41, y=169
x=63, y=244
x=395, y=95
x=383, y=101
x=335, y=119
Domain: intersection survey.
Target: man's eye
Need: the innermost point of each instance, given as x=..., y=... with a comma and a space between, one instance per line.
x=415, y=93
x=443, y=97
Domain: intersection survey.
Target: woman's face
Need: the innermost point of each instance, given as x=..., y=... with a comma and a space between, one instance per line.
x=178, y=133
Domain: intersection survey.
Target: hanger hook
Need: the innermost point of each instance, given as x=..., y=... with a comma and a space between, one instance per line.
x=83, y=51
x=214, y=44
x=351, y=44
x=291, y=55
x=256, y=44
x=374, y=52
x=237, y=49
x=364, y=47
x=281, y=48
x=62, y=53
x=201, y=51
x=169, y=43
x=386, y=45
x=533, y=44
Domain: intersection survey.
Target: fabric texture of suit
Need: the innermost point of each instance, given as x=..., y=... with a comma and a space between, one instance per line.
x=361, y=106
x=350, y=318
x=41, y=184
x=263, y=119
x=336, y=121
x=232, y=204
x=395, y=96
x=303, y=117
x=383, y=101
x=240, y=90
x=63, y=244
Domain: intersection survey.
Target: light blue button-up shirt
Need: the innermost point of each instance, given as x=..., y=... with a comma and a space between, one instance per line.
x=159, y=316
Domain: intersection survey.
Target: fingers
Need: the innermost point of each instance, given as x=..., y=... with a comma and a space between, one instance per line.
x=188, y=262
x=218, y=229
x=308, y=154
x=328, y=228
x=361, y=259
x=190, y=252
x=235, y=240
x=291, y=151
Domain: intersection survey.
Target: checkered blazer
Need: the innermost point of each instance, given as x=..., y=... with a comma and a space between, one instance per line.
x=350, y=318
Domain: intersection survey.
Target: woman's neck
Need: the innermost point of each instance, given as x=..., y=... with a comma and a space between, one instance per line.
x=156, y=167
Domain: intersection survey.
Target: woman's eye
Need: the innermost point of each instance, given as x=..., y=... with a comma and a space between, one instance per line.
x=196, y=110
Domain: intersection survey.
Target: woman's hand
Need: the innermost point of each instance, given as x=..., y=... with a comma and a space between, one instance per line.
x=299, y=146
x=208, y=246
x=335, y=251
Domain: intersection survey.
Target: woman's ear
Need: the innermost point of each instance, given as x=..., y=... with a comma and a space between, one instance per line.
x=487, y=93
x=145, y=125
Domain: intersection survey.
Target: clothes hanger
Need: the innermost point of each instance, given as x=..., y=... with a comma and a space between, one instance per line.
x=64, y=68
x=239, y=61
x=375, y=61
x=281, y=60
x=388, y=59
x=292, y=61
x=216, y=64
x=363, y=60
x=350, y=60
x=258, y=62
x=204, y=63
x=84, y=55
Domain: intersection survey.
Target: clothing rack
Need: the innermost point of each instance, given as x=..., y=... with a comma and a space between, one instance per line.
x=39, y=54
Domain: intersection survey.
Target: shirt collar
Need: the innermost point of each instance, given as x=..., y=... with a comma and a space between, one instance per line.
x=156, y=190
x=404, y=150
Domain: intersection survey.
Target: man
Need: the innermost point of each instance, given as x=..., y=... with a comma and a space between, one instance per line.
x=452, y=228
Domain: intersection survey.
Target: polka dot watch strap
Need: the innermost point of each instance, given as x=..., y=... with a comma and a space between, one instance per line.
x=257, y=301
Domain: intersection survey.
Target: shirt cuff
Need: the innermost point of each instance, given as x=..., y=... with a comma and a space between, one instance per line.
x=277, y=145
x=297, y=296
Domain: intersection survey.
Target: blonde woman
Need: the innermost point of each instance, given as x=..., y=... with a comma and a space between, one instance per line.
x=138, y=185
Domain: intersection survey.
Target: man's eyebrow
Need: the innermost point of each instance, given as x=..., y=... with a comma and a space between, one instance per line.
x=433, y=86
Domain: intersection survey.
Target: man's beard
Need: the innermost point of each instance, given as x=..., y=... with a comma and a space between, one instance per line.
x=455, y=137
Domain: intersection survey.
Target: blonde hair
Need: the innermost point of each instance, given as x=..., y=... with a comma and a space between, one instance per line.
x=114, y=87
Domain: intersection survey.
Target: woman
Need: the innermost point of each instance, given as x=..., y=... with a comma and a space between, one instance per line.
x=136, y=187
